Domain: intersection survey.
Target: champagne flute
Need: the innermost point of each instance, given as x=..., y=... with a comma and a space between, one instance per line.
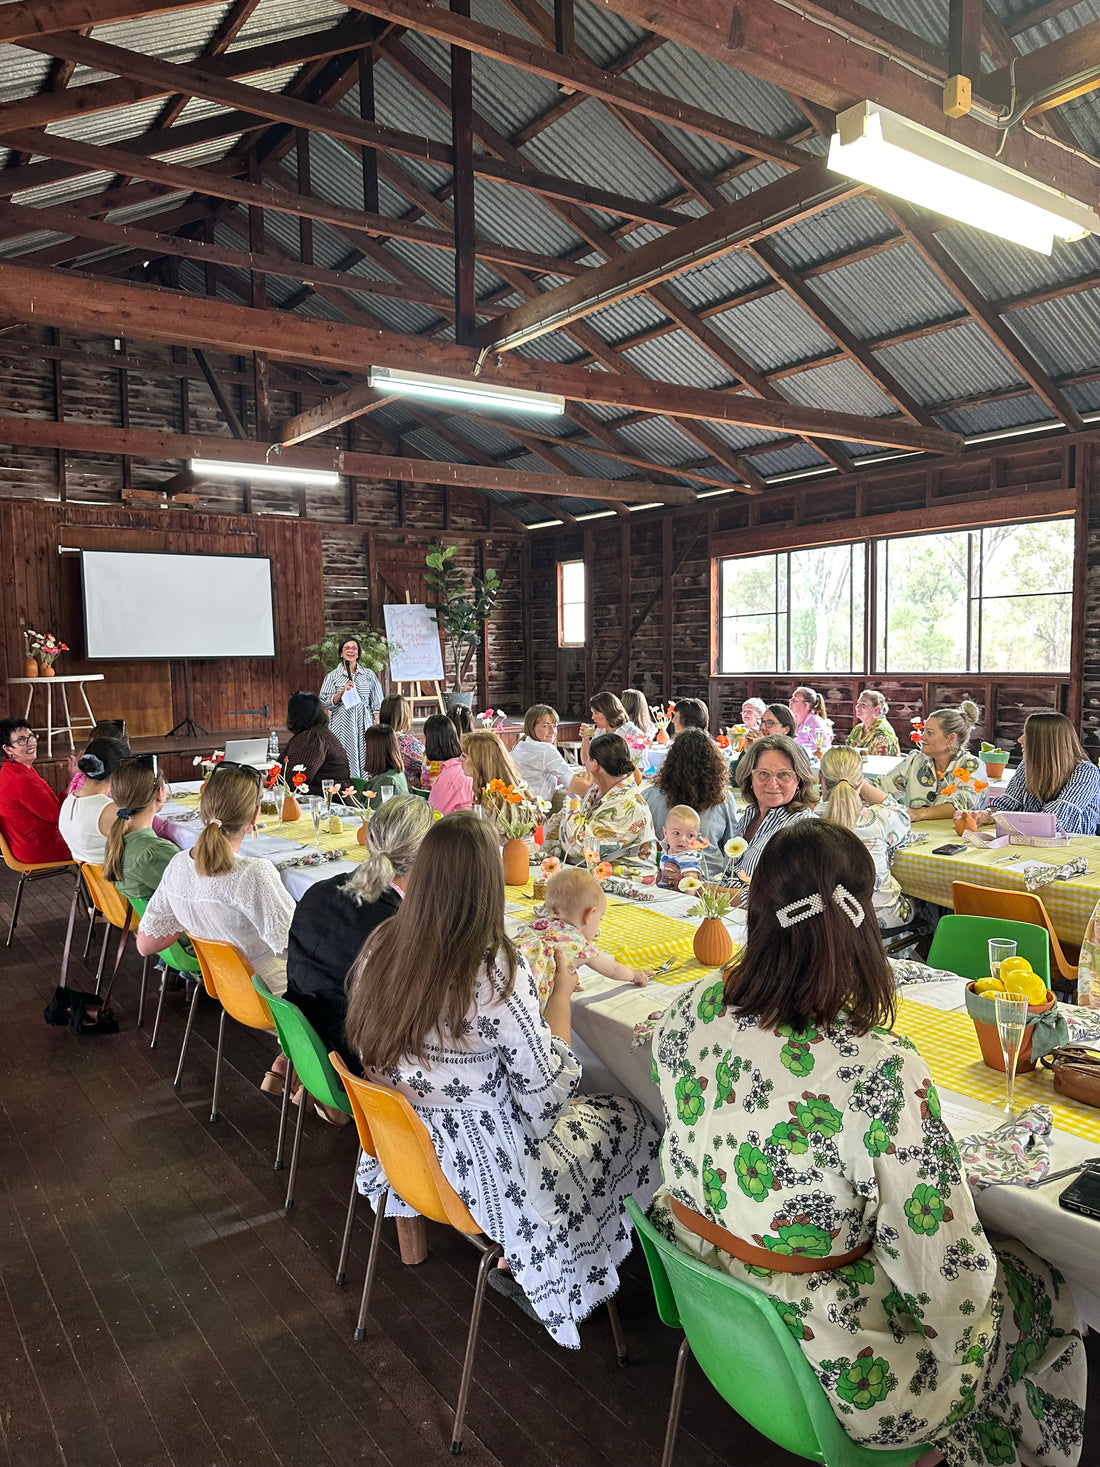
x=328, y=789
x=1000, y=948
x=315, y=813
x=1011, y=1009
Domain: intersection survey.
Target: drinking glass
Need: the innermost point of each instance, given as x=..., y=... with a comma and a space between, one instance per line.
x=999, y=949
x=1011, y=1011
x=315, y=813
x=328, y=789
x=386, y=792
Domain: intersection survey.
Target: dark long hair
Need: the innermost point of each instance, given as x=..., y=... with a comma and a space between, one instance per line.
x=416, y=974
x=381, y=751
x=809, y=972
x=440, y=739
x=612, y=753
x=693, y=772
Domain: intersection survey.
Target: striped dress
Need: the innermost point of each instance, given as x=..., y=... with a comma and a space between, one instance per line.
x=350, y=724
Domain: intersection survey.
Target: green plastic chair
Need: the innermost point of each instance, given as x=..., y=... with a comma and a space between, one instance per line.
x=176, y=958
x=309, y=1062
x=961, y=945
x=750, y=1358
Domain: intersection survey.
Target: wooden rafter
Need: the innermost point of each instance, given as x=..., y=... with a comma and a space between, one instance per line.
x=23, y=21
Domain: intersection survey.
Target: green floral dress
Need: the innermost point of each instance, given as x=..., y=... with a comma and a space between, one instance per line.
x=617, y=825
x=880, y=738
x=819, y=1142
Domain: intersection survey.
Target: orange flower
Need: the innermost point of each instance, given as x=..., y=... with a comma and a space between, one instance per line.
x=298, y=780
x=980, y=784
x=514, y=798
x=497, y=786
x=949, y=789
x=963, y=774
x=722, y=741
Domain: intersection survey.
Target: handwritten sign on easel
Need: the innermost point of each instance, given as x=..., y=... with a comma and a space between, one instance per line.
x=421, y=656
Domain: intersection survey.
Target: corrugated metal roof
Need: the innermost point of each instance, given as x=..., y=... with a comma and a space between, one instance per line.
x=275, y=20
x=1064, y=334
x=1001, y=269
x=987, y=417
x=844, y=226
x=772, y=332
x=954, y=363
x=505, y=97
x=838, y=382
x=788, y=460
x=885, y=293
x=176, y=35
x=601, y=34
x=21, y=72
x=678, y=357
x=590, y=144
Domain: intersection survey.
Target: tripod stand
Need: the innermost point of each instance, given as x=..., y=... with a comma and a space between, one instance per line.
x=187, y=725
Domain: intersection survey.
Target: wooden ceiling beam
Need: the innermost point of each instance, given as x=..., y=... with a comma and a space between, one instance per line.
x=147, y=443
x=75, y=301
x=24, y=21
x=336, y=411
x=638, y=52
x=737, y=224
x=1051, y=75
x=1036, y=14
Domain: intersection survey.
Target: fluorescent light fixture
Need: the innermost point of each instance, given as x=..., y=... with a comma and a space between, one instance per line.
x=216, y=468
x=470, y=394
x=900, y=157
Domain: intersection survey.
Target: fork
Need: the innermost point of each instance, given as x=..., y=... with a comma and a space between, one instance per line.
x=665, y=966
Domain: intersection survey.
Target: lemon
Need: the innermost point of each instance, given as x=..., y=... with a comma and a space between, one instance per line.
x=1015, y=967
x=989, y=985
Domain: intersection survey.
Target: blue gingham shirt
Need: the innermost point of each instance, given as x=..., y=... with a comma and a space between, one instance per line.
x=1076, y=808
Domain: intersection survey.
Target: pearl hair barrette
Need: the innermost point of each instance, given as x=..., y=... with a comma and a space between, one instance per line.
x=814, y=904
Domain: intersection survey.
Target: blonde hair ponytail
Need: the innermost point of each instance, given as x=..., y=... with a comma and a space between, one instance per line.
x=134, y=787
x=393, y=839
x=842, y=770
x=229, y=801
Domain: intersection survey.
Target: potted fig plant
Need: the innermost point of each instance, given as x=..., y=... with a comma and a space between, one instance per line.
x=994, y=760
x=461, y=607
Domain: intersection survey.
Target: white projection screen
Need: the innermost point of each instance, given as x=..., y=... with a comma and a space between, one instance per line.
x=154, y=607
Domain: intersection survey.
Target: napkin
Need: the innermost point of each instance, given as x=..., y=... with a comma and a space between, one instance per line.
x=1017, y=1151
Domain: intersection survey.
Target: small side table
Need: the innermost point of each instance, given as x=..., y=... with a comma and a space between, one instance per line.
x=62, y=685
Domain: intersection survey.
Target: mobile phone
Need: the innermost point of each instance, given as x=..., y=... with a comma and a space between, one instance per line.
x=947, y=850
x=1083, y=1194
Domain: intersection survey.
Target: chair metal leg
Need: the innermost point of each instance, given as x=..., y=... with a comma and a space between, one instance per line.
x=341, y=1267
x=218, y=1068
x=186, y=1037
x=304, y=1100
x=102, y=957
x=677, y=1401
x=622, y=1354
x=488, y=1260
x=160, y=1007
x=141, y=994
x=63, y=980
x=284, y=1107
x=372, y=1264
x=91, y=929
x=15, y=907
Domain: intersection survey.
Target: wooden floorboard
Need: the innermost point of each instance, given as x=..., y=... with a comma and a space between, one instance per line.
x=160, y=1308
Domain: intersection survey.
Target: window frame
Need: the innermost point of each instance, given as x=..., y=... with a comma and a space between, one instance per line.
x=582, y=603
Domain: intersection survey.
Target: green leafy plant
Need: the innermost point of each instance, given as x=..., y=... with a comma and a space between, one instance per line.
x=710, y=901
x=376, y=651
x=988, y=754
x=461, y=607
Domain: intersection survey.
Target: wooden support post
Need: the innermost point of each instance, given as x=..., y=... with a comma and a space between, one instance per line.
x=366, y=111
x=59, y=415
x=667, y=624
x=462, y=141
x=305, y=186
x=624, y=596
x=564, y=38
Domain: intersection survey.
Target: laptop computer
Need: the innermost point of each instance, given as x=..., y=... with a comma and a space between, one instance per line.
x=247, y=751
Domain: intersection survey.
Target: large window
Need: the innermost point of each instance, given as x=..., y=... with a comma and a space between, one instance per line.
x=997, y=599
x=571, y=617
x=795, y=611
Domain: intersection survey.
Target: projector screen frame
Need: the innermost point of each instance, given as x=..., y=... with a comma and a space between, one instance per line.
x=178, y=656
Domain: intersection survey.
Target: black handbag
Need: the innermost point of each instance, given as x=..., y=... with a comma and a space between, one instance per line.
x=83, y=1013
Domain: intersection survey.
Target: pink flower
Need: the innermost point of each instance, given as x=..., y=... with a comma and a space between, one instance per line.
x=550, y=866
x=602, y=871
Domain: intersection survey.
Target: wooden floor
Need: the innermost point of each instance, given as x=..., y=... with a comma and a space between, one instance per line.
x=159, y=1307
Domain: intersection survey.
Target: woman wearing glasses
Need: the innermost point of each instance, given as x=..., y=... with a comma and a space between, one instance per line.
x=28, y=807
x=776, y=718
x=777, y=783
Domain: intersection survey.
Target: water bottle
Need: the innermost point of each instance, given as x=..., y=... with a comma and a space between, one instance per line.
x=273, y=746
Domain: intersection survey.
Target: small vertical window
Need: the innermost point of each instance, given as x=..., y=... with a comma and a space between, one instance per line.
x=571, y=610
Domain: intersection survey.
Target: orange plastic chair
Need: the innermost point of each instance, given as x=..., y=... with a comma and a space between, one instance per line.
x=392, y=1131
x=116, y=912
x=27, y=871
x=227, y=976
x=972, y=900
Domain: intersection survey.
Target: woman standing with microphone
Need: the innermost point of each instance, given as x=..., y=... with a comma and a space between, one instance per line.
x=353, y=695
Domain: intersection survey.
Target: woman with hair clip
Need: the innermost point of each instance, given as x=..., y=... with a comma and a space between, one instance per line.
x=462, y=719
x=86, y=815
x=877, y=819
x=397, y=712
x=613, y=822
x=537, y=757
x=1056, y=776
x=136, y=856
x=442, y=1007
x=213, y=891
x=335, y=917
x=806, y=1156
x=451, y=787
x=637, y=711
x=813, y=727
x=313, y=744
x=940, y=766
x=352, y=695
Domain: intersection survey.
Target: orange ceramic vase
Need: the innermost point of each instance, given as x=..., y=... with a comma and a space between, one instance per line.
x=517, y=862
x=291, y=810
x=965, y=820
x=30, y=667
x=712, y=944
x=361, y=833
x=46, y=670
x=662, y=736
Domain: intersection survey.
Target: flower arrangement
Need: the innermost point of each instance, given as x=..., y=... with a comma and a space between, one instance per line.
x=661, y=714
x=710, y=902
x=492, y=718
x=956, y=796
x=281, y=782
x=44, y=646
x=917, y=733
x=208, y=761
x=733, y=850
x=516, y=808
x=550, y=867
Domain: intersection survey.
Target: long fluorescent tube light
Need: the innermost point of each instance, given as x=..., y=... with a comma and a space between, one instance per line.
x=900, y=157
x=457, y=390
x=216, y=468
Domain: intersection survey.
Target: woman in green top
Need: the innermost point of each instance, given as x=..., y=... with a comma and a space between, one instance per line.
x=136, y=855
x=872, y=734
x=383, y=766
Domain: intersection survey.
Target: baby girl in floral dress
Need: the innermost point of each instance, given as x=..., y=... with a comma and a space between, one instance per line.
x=574, y=908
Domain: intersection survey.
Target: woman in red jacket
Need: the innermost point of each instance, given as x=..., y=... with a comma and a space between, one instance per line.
x=28, y=807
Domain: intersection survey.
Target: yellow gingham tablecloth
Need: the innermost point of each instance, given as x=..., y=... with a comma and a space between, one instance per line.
x=949, y=1043
x=301, y=832
x=1070, y=903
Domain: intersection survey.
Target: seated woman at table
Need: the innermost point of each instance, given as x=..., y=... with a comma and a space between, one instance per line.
x=776, y=718
x=334, y=918
x=813, y=727
x=397, y=712
x=608, y=716
x=29, y=809
x=353, y=695
x=136, y=857
x=872, y=734
x=462, y=719
x=484, y=758
x=942, y=760
x=829, y=1154
x=451, y=787
x=443, y=1008
x=213, y=891
x=876, y=818
x=637, y=711
x=689, y=713
x=1056, y=776
x=382, y=765
x=694, y=773
x=752, y=711
x=613, y=822
x=313, y=744
x=540, y=763
x=86, y=813
x=778, y=786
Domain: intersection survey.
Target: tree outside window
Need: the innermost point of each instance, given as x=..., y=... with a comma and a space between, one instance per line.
x=571, y=603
